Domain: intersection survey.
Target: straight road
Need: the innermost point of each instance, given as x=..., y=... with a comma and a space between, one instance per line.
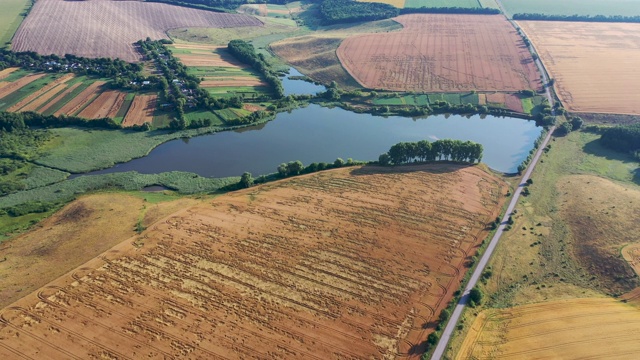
x=440, y=349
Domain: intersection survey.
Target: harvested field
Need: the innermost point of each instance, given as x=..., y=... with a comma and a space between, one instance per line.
x=44, y=90
x=17, y=85
x=442, y=53
x=342, y=264
x=88, y=94
x=314, y=55
x=104, y=106
x=594, y=64
x=600, y=328
x=141, y=110
x=109, y=28
x=37, y=103
x=59, y=97
x=62, y=242
x=602, y=217
x=513, y=103
x=211, y=59
x=4, y=73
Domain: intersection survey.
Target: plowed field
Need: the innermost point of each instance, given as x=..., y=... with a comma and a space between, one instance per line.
x=442, y=53
x=570, y=329
x=594, y=64
x=59, y=81
x=105, y=105
x=82, y=99
x=6, y=72
x=59, y=97
x=109, y=28
x=141, y=110
x=18, y=84
x=342, y=264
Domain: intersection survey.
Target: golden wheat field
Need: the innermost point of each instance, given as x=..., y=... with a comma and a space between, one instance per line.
x=352, y=263
x=594, y=64
x=600, y=328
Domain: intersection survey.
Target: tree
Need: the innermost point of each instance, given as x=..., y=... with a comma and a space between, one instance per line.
x=294, y=167
x=282, y=170
x=384, y=159
x=576, y=122
x=564, y=129
x=475, y=297
x=246, y=180
x=338, y=163
x=444, y=315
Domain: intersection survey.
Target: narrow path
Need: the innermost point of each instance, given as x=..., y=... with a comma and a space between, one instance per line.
x=440, y=349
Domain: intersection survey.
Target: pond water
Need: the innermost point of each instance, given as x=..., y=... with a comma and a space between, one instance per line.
x=319, y=134
x=299, y=87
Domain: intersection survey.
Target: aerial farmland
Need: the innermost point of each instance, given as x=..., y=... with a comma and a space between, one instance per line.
x=331, y=179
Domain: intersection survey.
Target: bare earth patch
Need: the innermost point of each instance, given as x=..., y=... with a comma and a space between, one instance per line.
x=141, y=110
x=348, y=263
x=442, y=53
x=105, y=105
x=594, y=64
x=109, y=28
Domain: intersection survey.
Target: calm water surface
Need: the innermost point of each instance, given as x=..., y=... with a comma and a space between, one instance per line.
x=318, y=134
x=299, y=87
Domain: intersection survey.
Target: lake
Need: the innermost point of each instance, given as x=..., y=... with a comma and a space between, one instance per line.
x=319, y=134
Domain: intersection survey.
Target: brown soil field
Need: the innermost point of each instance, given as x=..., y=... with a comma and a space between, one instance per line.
x=602, y=216
x=62, y=242
x=600, y=328
x=82, y=99
x=594, y=64
x=349, y=263
x=59, y=97
x=442, y=53
x=22, y=103
x=109, y=28
x=315, y=54
x=106, y=104
x=4, y=73
x=141, y=110
x=18, y=84
x=513, y=102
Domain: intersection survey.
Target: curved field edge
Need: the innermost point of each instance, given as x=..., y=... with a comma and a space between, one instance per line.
x=75, y=234
x=353, y=241
x=567, y=329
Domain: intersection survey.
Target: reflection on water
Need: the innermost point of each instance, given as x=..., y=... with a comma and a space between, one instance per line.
x=319, y=134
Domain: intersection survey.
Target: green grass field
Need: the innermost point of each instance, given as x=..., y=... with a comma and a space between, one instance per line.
x=419, y=100
x=203, y=114
x=125, y=108
x=11, y=18
x=489, y=4
x=571, y=7
x=16, y=75
x=408, y=4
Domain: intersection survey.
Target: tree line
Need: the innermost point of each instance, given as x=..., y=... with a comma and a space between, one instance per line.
x=246, y=53
x=449, y=10
x=575, y=17
x=346, y=11
x=439, y=150
x=622, y=138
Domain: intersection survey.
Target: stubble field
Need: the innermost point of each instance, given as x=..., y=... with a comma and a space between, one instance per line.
x=109, y=28
x=442, y=53
x=598, y=328
x=593, y=64
x=350, y=263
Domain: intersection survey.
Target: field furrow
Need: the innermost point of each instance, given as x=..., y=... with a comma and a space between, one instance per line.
x=350, y=264
x=88, y=94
